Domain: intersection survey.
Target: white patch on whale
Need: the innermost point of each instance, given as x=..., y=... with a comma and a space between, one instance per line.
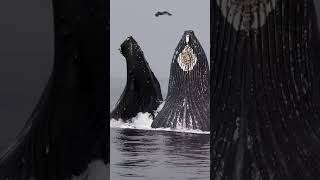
x=187, y=59
x=252, y=10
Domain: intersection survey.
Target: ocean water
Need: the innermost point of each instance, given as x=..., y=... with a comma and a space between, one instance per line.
x=139, y=152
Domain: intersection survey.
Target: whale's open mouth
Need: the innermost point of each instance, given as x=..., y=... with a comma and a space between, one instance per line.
x=252, y=14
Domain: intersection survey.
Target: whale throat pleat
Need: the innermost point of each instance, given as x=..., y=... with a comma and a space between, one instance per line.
x=187, y=102
x=264, y=90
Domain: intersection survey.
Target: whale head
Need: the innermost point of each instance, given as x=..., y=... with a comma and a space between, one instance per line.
x=187, y=102
x=133, y=54
x=188, y=52
x=130, y=47
x=142, y=92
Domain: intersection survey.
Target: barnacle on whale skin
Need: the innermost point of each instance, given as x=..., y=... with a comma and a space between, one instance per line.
x=187, y=59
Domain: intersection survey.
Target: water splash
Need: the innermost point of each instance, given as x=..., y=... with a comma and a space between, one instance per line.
x=144, y=121
x=141, y=121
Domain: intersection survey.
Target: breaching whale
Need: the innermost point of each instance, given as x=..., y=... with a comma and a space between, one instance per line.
x=264, y=90
x=187, y=102
x=68, y=127
x=142, y=92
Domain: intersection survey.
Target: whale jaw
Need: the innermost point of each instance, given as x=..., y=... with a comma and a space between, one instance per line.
x=142, y=92
x=187, y=102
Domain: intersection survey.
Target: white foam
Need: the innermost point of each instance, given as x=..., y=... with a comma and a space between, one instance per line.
x=144, y=121
x=141, y=121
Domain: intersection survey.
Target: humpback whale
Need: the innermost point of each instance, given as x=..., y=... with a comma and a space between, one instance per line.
x=187, y=102
x=142, y=92
x=264, y=90
x=68, y=127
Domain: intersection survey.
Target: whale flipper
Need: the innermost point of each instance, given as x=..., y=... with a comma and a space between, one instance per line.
x=142, y=92
x=68, y=127
x=264, y=68
x=187, y=102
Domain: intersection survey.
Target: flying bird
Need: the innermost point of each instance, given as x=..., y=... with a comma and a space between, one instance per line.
x=163, y=13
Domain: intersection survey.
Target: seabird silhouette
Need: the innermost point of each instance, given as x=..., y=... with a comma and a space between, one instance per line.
x=163, y=13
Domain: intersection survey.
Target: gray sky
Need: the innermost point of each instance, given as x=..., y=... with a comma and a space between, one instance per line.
x=157, y=36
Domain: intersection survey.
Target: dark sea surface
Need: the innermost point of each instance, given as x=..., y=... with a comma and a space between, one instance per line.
x=137, y=154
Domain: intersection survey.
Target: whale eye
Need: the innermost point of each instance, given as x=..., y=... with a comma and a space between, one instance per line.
x=187, y=59
x=247, y=11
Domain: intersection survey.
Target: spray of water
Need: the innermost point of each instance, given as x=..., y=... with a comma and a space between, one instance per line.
x=144, y=121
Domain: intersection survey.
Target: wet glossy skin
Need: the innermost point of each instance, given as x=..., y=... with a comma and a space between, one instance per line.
x=142, y=92
x=265, y=94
